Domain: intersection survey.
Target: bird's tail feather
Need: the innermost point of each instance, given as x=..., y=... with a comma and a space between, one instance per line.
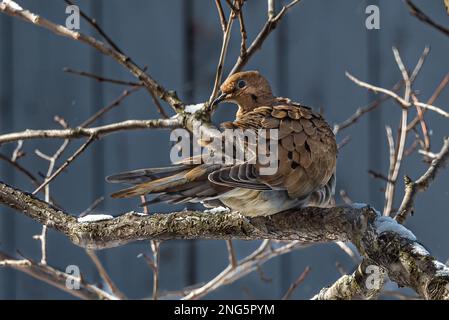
x=143, y=175
x=179, y=183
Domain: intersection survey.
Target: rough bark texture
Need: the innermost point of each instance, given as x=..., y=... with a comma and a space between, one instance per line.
x=380, y=240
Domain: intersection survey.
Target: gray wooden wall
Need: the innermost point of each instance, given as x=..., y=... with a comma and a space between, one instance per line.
x=179, y=41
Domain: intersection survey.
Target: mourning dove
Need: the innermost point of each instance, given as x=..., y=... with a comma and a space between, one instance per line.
x=307, y=155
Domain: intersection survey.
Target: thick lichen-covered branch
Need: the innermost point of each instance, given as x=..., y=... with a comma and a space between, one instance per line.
x=379, y=239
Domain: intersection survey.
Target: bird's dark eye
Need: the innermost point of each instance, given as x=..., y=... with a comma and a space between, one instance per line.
x=241, y=84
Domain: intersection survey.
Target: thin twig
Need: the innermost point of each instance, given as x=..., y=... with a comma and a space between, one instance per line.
x=392, y=177
x=418, y=13
x=101, y=131
x=51, y=165
x=412, y=188
x=245, y=266
x=296, y=283
x=430, y=107
x=221, y=60
x=271, y=9
x=378, y=175
x=101, y=78
x=343, y=142
x=56, y=278
x=345, y=197
x=17, y=153
x=92, y=207
x=13, y=9
x=134, y=87
x=266, y=30
x=77, y=153
x=364, y=110
x=442, y=85
x=21, y=169
x=109, y=107
x=104, y=275
x=376, y=89
x=221, y=15
x=231, y=254
x=97, y=27
x=392, y=153
x=243, y=33
x=346, y=249
x=155, y=248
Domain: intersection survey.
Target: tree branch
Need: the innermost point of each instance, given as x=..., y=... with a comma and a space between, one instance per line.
x=352, y=286
x=269, y=26
x=99, y=132
x=418, y=13
x=55, y=278
x=13, y=9
x=379, y=239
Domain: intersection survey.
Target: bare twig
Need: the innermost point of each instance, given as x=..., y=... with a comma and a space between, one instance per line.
x=344, y=196
x=378, y=175
x=430, y=107
x=221, y=15
x=17, y=153
x=364, y=110
x=245, y=266
x=13, y=9
x=418, y=13
x=420, y=63
x=21, y=169
x=269, y=26
x=77, y=153
x=92, y=207
x=376, y=89
x=102, y=79
x=104, y=275
x=346, y=249
x=231, y=254
x=156, y=249
x=271, y=9
x=444, y=82
x=55, y=278
x=134, y=86
x=224, y=49
x=97, y=27
x=243, y=34
x=79, y=132
x=109, y=107
x=296, y=283
x=51, y=165
x=393, y=174
x=343, y=142
x=412, y=188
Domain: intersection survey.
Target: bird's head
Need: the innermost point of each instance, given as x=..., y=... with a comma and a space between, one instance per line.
x=247, y=89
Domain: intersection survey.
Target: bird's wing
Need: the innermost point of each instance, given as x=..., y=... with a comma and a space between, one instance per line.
x=306, y=151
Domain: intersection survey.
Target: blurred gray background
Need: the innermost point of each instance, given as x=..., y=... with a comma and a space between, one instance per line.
x=179, y=41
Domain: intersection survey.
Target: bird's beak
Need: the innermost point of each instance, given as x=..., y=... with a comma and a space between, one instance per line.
x=220, y=98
